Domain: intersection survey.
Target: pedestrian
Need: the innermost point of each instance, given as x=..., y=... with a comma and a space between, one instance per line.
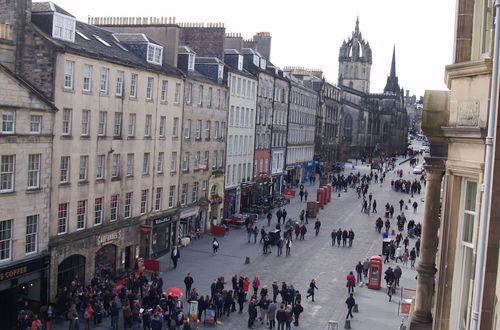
x=255, y=285
x=303, y=231
x=387, y=253
x=271, y=313
x=415, y=205
x=255, y=234
x=252, y=313
x=350, y=302
x=281, y=317
x=399, y=254
x=215, y=245
x=37, y=323
x=397, y=275
x=351, y=282
x=269, y=217
x=389, y=275
x=310, y=291
x=390, y=288
x=50, y=315
x=406, y=256
x=88, y=315
x=401, y=203
x=175, y=255
x=339, y=236
x=417, y=246
x=188, y=282
x=115, y=315
x=284, y=215
x=350, y=236
x=297, y=309
x=279, y=245
x=288, y=246
x=279, y=214
x=249, y=232
x=305, y=195
x=289, y=318
x=345, y=234
x=366, y=267
x=301, y=194
x=413, y=256
x=359, y=272
x=262, y=234
x=317, y=226
x=334, y=236
x=374, y=206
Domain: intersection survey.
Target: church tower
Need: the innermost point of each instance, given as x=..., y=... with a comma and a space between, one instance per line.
x=392, y=85
x=355, y=61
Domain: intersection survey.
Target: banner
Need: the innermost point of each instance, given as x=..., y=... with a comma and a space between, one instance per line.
x=289, y=192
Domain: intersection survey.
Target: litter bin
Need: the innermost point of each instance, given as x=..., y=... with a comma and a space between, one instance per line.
x=386, y=242
x=274, y=236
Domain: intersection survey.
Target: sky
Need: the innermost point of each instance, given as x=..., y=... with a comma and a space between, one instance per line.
x=309, y=33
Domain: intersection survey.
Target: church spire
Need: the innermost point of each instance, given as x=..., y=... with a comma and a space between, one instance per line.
x=393, y=64
x=357, y=25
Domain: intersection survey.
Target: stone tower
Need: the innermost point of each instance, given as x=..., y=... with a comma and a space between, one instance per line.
x=355, y=61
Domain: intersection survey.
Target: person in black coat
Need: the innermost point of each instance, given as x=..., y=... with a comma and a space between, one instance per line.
x=350, y=302
x=188, y=281
x=252, y=313
x=339, y=236
x=297, y=309
x=345, y=234
x=175, y=255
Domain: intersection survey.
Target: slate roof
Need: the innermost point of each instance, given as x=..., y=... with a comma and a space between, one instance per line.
x=115, y=53
x=48, y=6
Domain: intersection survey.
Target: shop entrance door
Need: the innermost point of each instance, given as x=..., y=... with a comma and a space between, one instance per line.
x=105, y=260
x=71, y=269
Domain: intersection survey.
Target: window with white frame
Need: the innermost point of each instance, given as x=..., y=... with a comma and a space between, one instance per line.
x=130, y=165
x=128, y=205
x=66, y=122
x=171, y=197
x=119, y=83
x=115, y=168
x=144, y=201
x=177, y=97
x=62, y=218
x=208, y=124
x=204, y=185
x=184, y=190
x=215, y=159
x=173, y=162
x=191, y=62
x=466, y=251
x=85, y=123
x=81, y=214
x=149, y=89
x=154, y=54
x=175, y=127
x=222, y=130
x=84, y=168
x=103, y=86
x=147, y=126
x=194, y=192
x=145, y=163
x=35, y=124
x=159, y=166
x=221, y=159
x=185, y=161
x=6, y=239
x=98, y=210
x=198, y=129
x=101, y=129
x=187, y=129
x=161, y=129
x=131, y=124
x=164, y=90
x=31, y=233
x=189, y=93
x=217, y=131
x=113, y=207
x=69, y=70
x=64, y=169
x=196, y=164
x=87, y=78
x=133, y=85
x=158, y=198
x=34, y=161
x=200, y=95
x=117, y=130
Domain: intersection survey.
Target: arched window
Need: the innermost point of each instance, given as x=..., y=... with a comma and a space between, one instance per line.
x=348, y=126
x=70, y=269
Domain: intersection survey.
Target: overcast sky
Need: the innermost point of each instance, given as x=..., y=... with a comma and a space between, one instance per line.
x=309, y=33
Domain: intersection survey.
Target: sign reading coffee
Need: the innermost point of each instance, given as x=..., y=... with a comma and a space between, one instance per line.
x=108, y=237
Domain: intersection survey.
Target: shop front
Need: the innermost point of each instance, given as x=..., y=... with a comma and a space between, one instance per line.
x=20, y=282
x=232, y=198
x=248, y=193
x=189, y=218
x=308, y=170
x=103, y=254
x=163, y=235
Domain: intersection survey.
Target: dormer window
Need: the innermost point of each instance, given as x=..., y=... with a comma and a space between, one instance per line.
x=255, y=60
x=154, y=54
x=63, y=27
x=220, y=72
x=240, y=62
x=262, y=63
x=191, y=61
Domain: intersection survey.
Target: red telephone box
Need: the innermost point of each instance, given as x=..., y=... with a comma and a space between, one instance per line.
x=329, y=192
x=375, y=272
x=323, y=196
x=319, y=196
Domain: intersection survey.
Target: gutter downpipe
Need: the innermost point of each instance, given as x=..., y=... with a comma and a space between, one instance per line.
x=488, y=176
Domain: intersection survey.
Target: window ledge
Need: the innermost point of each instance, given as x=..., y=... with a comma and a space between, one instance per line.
x=84, y=137
x=83, y=182
x=33, y=190
x=7, y=193
x=101, y=180
x=129, y=176
x=64, y=184
x=116, y=178
x=117, y=138
x=131, y=137
x=68, y=90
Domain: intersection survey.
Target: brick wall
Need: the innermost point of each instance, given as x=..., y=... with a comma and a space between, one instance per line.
x=204, y=41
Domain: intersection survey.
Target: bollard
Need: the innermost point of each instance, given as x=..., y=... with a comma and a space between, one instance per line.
x=247, y=260
x=347, y=324
x=393, y=232
x=339, y=195
x=355, y=308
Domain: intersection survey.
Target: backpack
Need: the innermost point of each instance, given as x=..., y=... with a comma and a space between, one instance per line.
x=86, y=315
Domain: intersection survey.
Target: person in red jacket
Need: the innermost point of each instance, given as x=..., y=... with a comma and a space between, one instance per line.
x=351, y=282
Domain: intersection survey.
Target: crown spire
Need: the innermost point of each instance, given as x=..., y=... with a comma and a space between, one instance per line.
x=357, y=24
x=393, y=64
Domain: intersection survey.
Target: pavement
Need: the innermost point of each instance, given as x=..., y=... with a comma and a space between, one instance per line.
x=312, y=258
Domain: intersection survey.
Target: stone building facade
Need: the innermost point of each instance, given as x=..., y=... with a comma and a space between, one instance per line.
x=26, y=136
x=456, y=123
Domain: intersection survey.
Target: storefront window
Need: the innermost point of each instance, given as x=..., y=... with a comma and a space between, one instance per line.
x=71, y=269
x=105, y=260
